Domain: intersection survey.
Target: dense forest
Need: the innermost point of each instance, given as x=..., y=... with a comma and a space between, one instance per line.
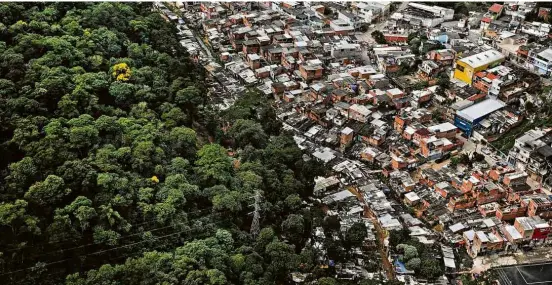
x=114, y=169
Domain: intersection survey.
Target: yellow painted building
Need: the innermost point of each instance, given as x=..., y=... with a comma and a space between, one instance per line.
x=468, y=66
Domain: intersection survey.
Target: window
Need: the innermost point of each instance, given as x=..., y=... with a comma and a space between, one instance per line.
x=542, y=58
x=460, y=68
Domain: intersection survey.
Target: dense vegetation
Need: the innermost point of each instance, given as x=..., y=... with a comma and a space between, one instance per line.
x=415, y=255
x=106, y=156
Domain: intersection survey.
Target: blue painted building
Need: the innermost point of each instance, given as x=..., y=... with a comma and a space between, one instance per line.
x=439, y=36
x=469, y=118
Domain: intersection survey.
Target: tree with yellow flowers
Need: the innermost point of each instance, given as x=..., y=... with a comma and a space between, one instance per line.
x=121, y=72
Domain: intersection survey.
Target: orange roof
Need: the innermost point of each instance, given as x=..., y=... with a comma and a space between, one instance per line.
x=477, y=97
x=492, y=76
x=480, y=74
x=496, y=8
x=477, y=175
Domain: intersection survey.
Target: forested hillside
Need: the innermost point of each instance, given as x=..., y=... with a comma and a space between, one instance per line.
x=105, y=158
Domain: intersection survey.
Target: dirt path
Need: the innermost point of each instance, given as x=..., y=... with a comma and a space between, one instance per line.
x=380, y=234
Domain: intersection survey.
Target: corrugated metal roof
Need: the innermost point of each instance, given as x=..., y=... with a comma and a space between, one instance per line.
x=512, y=232
x=444, y=127
x=483, y=58
x=481, y=109
x=482, y=236
x=547, y=54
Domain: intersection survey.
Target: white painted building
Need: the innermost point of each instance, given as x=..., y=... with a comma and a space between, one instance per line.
x=536, y=29
x=540, y=61
x=428, y=16
x=520, y=155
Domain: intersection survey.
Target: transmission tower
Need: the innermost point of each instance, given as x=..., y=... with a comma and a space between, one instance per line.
x=255, y=226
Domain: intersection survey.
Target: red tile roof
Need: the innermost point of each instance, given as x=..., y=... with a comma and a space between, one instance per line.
x=496, y=8
x=486, y=20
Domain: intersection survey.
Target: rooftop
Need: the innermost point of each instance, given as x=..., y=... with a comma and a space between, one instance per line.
x=457, y=227
x=481, y=109
x=325, y=154
x=482, y=236
x=363, y=110
x=496, y=8
x=253, y=56
x=389, y=222
x=483, y=58
x=339, y=196
x=470, y=234
x=347, y=131
x=444, y=127
x=512, y=232
x=546, y=54
x=411, y=196
x=395, y=91
x=531, y=135
x=323, y=182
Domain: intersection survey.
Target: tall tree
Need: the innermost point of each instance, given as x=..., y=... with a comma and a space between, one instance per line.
x=48, y=192
x=378, y=37
x=213, y=165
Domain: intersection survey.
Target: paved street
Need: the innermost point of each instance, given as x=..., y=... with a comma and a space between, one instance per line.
x=491, y=155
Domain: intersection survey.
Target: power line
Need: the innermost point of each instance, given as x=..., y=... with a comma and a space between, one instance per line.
x=63, y=240
x=90, y=244
x=93, y=253
x=84, y=246
x=61, y=251
x=103, y=251
x=75, y=240
x=121, y=237
x=43, y=277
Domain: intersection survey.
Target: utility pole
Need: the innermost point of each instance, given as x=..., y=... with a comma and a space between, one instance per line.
x=255, y=226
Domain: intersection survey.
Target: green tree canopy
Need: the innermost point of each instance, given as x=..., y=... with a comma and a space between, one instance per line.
x=117, y=166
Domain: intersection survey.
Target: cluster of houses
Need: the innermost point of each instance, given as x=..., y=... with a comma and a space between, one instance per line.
x=504, y=27
x=391, y=120
x=487, y=210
